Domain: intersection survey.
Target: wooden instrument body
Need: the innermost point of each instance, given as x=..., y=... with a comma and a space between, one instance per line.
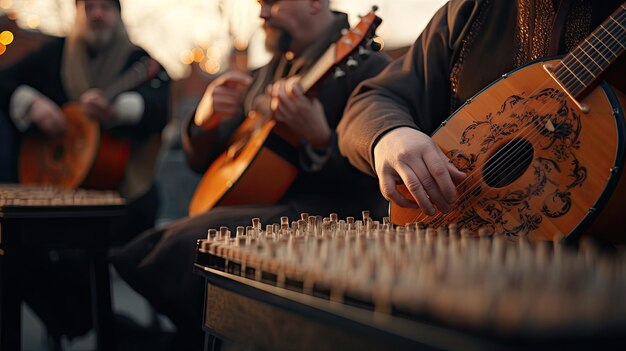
x=575, y=157
x=83, y=157
x=258, y=168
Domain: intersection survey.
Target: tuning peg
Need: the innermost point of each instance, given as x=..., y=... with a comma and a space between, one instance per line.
x=375, y=45
x=339, y=73
x=352, y=63
x=363, y=52
x=163, y=76
x=374, y=8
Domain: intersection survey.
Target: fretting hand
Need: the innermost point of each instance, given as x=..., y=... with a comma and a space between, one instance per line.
x=221, y=99
x=303, y=115
x=406, y=155
x=95, y=105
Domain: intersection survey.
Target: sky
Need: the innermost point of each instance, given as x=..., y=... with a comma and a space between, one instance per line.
x=176, y=32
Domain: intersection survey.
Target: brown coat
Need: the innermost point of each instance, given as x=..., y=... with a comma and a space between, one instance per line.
x=467, y=45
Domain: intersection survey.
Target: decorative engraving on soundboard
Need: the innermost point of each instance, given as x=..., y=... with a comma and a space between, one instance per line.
x=547, y=122
x=461, y=161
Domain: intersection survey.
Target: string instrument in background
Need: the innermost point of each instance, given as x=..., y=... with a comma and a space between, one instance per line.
x=260, y=162
x=85, y=156
x=543, y=146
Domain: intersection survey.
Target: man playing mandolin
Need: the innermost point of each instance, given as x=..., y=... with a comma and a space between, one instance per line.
x=158, y=264
x=80, y=69
x=467, y=45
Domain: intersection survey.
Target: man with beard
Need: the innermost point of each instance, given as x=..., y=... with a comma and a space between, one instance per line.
x=79, y=68
x=159, y=263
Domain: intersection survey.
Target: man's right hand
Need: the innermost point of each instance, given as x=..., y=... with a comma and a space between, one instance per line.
x=47, y=116
x=406, y=155
x=221, y=98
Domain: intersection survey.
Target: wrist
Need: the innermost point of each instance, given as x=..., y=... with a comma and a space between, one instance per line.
x=322, y=142
x=206, y=123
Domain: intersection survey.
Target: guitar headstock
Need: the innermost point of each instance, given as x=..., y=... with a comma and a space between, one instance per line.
x=145, y=69
x=354, y=44
x=359, y=40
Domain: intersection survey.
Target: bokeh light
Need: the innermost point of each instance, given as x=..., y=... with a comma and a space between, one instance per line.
x=198, y=54
x=33, y=21
x=6, y=37
x=186, y=57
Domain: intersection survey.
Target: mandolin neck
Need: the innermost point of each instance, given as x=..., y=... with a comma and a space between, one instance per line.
x=582, y=67
x=134, y=76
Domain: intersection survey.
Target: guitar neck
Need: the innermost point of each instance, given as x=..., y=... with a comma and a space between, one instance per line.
x=582, y=67
x=318, y=70
x=133, y=77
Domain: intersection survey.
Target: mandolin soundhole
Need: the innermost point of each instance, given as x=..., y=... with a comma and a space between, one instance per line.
x=58, y=153
x=508, y=163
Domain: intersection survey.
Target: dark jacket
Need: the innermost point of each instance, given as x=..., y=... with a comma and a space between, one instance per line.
x=337, y=186
x=467, y=45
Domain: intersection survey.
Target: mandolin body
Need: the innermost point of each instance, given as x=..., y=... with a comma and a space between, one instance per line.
x=538, y=166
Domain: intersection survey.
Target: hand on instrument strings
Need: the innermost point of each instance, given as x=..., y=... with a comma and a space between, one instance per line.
x=95, y=105
x=303, y=115
x=406, y=155
x=261, y=103
x=221, y=98
x=47, y=116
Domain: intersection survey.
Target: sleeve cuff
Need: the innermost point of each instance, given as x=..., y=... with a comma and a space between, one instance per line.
x=20, y=104
x=313, y=159
x=129, y=108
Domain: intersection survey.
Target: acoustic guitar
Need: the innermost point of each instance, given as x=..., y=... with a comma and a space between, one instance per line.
x=543, y=147
x=85, y=156
x=260, y=162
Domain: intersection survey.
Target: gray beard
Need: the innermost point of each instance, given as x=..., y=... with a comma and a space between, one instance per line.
x=98, y=39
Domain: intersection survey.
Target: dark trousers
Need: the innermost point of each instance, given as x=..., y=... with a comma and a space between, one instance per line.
x=8, y=150
x=57, y=286
x=159, y=265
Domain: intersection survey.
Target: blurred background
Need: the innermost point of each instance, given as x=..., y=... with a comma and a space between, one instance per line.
x=195, y=40
x=183, y=33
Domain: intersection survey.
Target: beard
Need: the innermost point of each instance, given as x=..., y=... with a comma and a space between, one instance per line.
x=97, y=39
x=277, y=40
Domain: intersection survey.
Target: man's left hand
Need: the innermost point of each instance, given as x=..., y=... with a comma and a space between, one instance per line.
x=96, y=105
x=303, y=115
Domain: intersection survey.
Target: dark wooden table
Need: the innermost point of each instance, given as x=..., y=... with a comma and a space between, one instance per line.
x=49, y=218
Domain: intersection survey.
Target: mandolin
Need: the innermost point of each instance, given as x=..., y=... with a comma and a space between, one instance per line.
x=85, y=156
x=543, y=147
x=260, y=149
